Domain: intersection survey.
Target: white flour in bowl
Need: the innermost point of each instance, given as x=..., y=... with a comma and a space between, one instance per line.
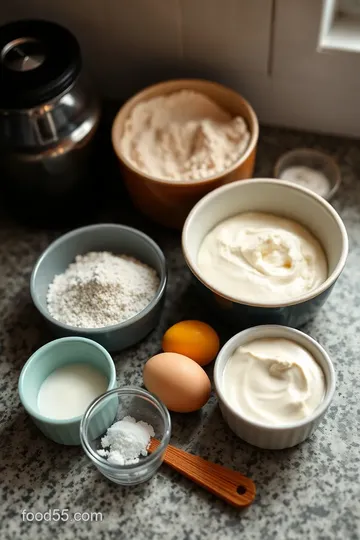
x=101, y=289
x=183, y=136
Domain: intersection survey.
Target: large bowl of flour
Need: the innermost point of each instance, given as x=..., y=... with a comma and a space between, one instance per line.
x=180, y=139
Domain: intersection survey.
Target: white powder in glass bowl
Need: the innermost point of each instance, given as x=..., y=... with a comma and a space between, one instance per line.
x=307, y=177
x=183, y=136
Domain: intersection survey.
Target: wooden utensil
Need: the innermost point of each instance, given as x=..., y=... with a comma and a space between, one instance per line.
x=229, y=485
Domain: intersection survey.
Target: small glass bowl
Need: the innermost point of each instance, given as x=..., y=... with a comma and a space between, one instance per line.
x=314, y=159
x=113, y=406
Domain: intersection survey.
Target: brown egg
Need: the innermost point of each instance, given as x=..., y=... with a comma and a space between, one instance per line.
x=179, y=382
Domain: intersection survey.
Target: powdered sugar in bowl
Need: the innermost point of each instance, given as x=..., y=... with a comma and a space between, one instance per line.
x=105, y=282
x=132, y=415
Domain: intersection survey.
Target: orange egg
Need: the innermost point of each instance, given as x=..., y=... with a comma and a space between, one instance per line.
x=194, y=339
x=179, y=382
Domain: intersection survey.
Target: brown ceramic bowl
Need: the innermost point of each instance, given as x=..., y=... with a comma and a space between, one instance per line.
x=169, y=201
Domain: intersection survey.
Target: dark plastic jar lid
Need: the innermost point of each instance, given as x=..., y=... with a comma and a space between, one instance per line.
x=39, y=60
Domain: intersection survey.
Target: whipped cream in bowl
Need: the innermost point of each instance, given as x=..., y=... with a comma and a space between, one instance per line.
x=264, y=251
x=274, y=385
x=261, y=257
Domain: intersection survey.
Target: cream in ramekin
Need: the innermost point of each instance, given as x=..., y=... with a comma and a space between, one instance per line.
x=267, y=433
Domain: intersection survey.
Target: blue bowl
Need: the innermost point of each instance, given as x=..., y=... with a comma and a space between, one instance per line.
x=117, y=239
x=279, y=198
x=43, y=362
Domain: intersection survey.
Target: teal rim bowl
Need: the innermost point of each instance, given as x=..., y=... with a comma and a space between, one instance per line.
x=42, y=363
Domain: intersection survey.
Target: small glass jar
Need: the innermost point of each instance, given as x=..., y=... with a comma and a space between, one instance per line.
x=112, y=407
x=317, y=163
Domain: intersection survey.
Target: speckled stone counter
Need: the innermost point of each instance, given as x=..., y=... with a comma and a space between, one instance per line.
x=308, y=492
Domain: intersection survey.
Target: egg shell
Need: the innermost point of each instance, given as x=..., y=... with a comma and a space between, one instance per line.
x=179, y=382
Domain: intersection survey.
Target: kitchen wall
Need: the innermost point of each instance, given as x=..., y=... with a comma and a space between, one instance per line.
x=266, y=49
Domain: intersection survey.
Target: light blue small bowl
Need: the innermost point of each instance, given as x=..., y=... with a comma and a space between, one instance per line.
x=53, y=355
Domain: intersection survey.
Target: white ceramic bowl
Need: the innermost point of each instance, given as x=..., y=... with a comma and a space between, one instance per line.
x=275, y=197
x=256, y=433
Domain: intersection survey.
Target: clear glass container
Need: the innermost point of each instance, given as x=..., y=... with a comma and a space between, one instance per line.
x=318, y=162
x=113, y=406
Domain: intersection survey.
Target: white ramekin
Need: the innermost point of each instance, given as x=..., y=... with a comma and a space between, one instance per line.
x=256, y=433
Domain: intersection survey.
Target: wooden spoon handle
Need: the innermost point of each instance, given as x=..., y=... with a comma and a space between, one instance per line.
x=229, y=485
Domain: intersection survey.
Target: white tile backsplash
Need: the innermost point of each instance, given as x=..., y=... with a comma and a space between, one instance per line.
x=131, y=43
x=296, y=54
x=230, y=34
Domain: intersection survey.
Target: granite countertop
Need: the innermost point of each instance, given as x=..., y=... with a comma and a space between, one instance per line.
x=308, y=492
